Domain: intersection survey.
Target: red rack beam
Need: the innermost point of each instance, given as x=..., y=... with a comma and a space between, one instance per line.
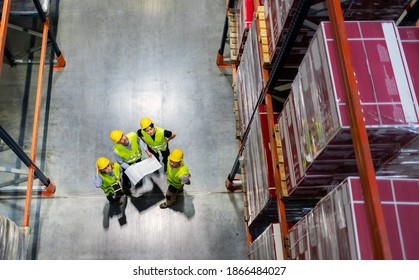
x=26, y=213
x=277, y=175
x=274, y=155
x=378, y=232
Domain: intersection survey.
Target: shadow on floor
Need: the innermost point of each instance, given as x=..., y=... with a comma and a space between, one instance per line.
x=110, y=210
x=184, y=205
x=148, y=199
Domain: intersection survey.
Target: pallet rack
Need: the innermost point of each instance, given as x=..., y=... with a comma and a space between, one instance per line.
x=39, y=10
x=300, y=22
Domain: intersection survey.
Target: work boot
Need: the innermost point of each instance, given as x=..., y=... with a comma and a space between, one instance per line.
x=163, y=205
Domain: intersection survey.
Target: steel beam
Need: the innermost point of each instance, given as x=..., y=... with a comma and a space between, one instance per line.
x=60, y=58
x=23, y=156
x=377, y=227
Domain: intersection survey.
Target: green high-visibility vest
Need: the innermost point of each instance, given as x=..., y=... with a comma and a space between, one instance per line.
x=129, y=156
x=108, y=180
x=159, y=143
x=173, y=175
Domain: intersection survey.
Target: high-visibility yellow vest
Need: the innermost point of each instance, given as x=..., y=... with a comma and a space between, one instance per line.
x=159, y=143
x=108, y=180
x=173, y=175
x=129, y=156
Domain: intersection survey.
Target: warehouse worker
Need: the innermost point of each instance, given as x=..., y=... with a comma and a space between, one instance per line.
x=156, y=138
x=177, y=175
x=108, y=178
x=128, y=148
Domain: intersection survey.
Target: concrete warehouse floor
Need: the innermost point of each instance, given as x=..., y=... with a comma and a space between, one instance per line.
x=126, y=60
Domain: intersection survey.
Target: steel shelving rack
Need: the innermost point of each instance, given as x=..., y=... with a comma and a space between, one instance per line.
x=38, y=9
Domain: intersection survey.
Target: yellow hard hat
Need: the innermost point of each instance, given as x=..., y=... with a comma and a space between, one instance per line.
x=102, y=163
x=145, y=122
x=176, y=155
x=116, y=135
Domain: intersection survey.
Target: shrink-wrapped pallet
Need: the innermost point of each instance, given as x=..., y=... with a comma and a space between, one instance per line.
x=315, y=120
x=338, y=228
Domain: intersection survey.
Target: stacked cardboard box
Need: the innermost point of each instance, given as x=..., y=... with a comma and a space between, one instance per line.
x=244, y=10
x=337, y=228
x=409, y=36
x=315, y=125
x=233, y=28
x=236, y=111
x=260, y=182
x=276, y=14
x=280, y=163
x=406, y=164
x=15, y=240
x=263, y=36
x=298, y=241
x=268, y=245
x=249, y=78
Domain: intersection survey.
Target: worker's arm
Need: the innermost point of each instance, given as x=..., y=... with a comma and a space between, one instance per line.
x=98, y=180
x=121, y=162
x=169, y=135
x=139, y=134
x=144, y=146
x=186, y=179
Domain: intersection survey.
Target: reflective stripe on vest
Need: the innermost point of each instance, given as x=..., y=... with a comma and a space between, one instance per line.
x=129, y=156
x=108, y=180
x=173, y=175
x=159, y=143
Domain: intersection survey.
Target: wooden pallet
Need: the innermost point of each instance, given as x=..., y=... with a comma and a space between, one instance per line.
x=263, y=36
x=236, y=112
x=280, y=162
x=233, y=27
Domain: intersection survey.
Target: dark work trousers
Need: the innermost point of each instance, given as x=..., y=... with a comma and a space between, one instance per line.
x=126, y=183
x=165, y=155
x=171, y=194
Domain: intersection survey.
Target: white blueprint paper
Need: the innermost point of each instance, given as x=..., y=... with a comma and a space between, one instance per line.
x=140, y=169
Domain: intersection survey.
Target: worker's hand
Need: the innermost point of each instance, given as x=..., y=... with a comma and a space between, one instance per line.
x=149, y=153
x=118, y=202
x=171, y=137
x=185, y=179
